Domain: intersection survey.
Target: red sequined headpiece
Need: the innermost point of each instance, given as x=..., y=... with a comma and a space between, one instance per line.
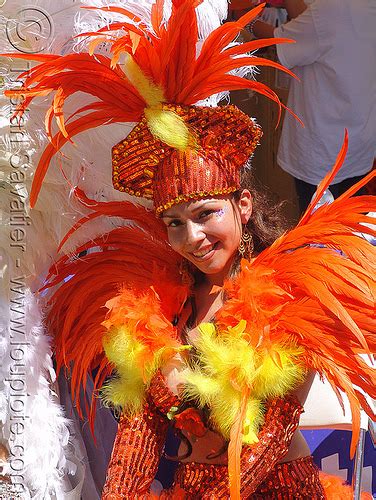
x=225, y=138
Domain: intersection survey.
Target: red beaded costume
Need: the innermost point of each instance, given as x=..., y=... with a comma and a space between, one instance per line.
x=305, y=303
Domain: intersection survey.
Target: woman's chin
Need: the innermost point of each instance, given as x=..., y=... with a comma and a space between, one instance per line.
x=214, y=270
x=216, y=264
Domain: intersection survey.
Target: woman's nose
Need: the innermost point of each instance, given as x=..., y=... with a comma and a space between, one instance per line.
x=194, y=233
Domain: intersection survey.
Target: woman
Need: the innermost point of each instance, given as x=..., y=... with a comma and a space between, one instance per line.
x=208, y=234
x=177, y=330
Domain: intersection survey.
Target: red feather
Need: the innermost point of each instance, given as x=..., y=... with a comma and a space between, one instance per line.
x=315, y=287
x=135, y=256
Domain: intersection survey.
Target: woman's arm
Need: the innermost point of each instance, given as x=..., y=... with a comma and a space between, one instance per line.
x=281, y=421
x=135, y=456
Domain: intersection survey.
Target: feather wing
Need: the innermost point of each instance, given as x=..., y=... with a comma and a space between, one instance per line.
x=315, y=287
x=136, y=256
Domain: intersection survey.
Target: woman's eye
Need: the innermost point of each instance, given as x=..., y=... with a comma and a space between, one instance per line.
x=206, y=213
x=174, y=223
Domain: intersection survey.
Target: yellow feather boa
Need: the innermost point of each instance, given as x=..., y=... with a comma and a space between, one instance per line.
x=228, y=366
x=140, y=340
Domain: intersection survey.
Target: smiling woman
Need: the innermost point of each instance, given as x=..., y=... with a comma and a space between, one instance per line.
x=225, y=358
x=208, y=232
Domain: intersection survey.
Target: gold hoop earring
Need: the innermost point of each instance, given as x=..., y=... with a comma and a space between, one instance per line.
x=246, y=244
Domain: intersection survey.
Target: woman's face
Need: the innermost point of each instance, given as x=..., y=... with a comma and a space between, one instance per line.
x=207, y=232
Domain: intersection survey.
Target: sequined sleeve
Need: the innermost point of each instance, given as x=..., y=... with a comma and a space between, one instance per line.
x=281, y=421
x=135, y=456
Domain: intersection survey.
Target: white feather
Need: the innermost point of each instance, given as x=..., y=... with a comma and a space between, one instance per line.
x=33, y=423
x=50, y=448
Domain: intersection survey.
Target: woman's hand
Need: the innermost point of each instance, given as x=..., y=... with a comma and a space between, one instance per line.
x=210, y=448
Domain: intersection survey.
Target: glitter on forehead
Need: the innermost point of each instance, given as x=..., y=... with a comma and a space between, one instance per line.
x=220, y=212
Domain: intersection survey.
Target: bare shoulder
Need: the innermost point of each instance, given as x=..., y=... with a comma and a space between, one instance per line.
x=302, y=391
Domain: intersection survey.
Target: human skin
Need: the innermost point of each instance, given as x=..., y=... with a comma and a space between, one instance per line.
x=294, y=9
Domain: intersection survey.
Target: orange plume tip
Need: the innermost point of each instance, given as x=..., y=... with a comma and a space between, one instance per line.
x=235, y=447
x=323, y=185
x=356, y=187
x=250, y=15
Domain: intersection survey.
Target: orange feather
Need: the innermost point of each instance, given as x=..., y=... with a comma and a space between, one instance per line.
x=126, y=255
x=315, y=287
x=235, y=447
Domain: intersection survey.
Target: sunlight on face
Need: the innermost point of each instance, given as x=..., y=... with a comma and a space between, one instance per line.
x=207, y=233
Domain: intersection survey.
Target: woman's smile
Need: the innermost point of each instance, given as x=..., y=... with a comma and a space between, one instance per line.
x=205, y=253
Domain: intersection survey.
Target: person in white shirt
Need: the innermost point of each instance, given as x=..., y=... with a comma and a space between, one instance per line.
x=335, y=58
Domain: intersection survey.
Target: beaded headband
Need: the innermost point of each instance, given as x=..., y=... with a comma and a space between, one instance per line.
x=223, y=139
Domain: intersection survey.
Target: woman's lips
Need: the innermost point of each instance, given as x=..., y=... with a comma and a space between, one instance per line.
x=205, y=253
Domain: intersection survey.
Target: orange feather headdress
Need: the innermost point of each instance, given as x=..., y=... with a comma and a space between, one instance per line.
x=177, y=150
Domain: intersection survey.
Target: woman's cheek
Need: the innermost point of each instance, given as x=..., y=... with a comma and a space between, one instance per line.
x=174, y=240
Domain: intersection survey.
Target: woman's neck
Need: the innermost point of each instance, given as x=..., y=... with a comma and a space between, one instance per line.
x=207, y=299
x=218, y=279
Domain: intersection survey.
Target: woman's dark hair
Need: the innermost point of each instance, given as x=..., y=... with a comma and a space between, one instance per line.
x=267, y=221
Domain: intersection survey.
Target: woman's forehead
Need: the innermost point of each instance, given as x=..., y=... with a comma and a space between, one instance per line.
x=193, y=206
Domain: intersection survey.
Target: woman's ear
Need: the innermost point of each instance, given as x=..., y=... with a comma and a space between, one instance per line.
x=245, y=206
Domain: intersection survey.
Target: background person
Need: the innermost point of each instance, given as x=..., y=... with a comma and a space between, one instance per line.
x=334, y=57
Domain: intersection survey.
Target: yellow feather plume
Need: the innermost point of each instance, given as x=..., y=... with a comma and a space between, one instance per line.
x=128, y=390
x=124, y=394
x=166, y=125
x=151, y=93
x=273, y=380
x=229, y=365
x=134, y=368
x=169, y=127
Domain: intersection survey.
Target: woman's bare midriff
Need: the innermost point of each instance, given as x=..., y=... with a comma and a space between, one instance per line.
x=212, y=443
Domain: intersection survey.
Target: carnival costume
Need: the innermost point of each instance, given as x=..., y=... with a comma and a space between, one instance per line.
x=305, y=303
